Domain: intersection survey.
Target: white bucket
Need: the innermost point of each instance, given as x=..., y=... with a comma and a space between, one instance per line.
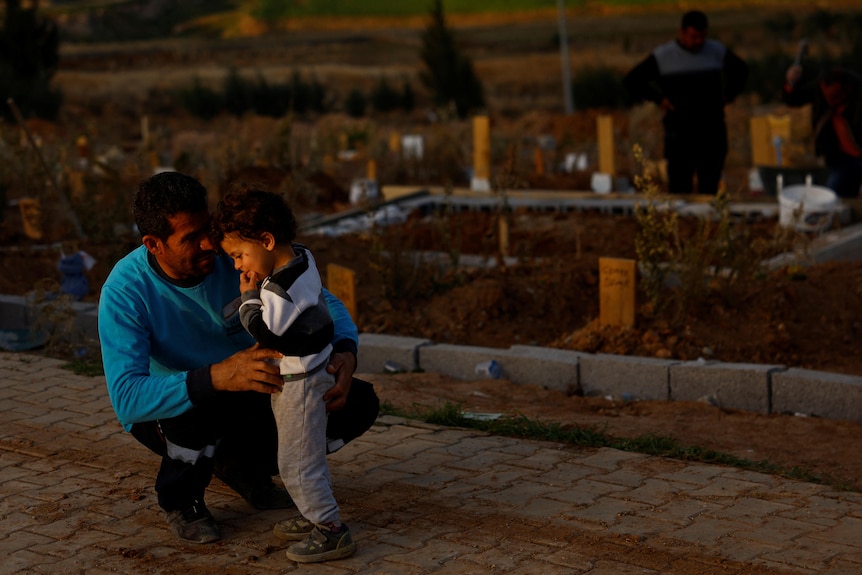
x=807, y=208
x=601, y=183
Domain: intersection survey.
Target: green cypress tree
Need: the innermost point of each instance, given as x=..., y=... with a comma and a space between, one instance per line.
x=448, y=73
x=29, y=56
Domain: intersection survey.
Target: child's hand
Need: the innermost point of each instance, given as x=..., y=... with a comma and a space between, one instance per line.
x=248, y=281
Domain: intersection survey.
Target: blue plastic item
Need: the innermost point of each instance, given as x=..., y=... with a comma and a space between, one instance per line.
x=74, y=282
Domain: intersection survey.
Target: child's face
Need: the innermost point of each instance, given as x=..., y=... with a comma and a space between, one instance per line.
x=249, y=255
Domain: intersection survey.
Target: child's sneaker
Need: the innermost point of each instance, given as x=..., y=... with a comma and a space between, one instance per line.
x=293, y=529
x=323, y=545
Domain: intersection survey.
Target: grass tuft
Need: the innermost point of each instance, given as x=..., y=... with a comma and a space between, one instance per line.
x=85, y=367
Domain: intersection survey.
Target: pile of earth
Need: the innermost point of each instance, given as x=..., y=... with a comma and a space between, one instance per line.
x=548, y=294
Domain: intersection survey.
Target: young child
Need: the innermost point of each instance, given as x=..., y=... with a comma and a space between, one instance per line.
x=283, y=307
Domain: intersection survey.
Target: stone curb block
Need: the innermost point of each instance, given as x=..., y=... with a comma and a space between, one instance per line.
x=752, y=387
x=731, y=385
x=13, y=310
x=838, y=245
x=625, y=377
x=87, y=319
x=460, y=361
x=558, y=368
x=16, y=314
x=376, y=349
x=829, y=395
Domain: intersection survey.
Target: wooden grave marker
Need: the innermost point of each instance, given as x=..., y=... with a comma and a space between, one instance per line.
x=616, y=291
x=539, y=159
x=341, y=282
x=31, y=215
x=395, y=143
x=605, y=131
x=481, y=154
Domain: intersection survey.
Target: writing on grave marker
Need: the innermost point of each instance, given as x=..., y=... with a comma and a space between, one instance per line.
x=616, y=291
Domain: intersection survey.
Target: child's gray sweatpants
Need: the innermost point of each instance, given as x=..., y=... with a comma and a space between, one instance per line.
x=300, y=415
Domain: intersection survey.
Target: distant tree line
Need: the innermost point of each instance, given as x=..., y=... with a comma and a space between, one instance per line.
x=29, y=55
x=448, y=76
x=239, y=95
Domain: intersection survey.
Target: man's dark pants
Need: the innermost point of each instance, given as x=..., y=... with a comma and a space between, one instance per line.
x=689, y=151
x=237, y=432
x=845, y=175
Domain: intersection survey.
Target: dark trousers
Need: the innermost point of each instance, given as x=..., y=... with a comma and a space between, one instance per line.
x=845, y=175
x=689, y=153
x=235, y=431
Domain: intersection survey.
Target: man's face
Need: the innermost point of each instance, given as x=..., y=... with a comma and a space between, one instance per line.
x=835, y=94
x=692, y=39
x=187, y=253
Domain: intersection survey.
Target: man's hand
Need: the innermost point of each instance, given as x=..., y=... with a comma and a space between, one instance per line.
x=793, y=75
x=666, y=105
x=342, y=365
x=248, y=370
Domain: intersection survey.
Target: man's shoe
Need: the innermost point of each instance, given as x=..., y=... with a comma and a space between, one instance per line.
x=260, y=493
x=293, y=529
x=194, y=523
x=322, y=545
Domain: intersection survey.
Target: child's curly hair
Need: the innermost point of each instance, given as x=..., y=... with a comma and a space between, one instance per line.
x=250, y=211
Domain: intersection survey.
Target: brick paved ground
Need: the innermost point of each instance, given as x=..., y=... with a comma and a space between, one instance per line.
x=76, y=497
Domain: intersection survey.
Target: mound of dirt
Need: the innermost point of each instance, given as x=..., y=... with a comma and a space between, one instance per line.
x=550, y=297
x=793, y=317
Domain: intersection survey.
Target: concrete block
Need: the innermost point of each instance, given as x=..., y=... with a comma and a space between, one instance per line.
x=13, y=312
x=817, y=393
x=376, y=349
x=730, y=385
x=16, y=312
x=460, y=361
x=625, y=376
x=843, y=244
x=87, y=320
x=551, y=368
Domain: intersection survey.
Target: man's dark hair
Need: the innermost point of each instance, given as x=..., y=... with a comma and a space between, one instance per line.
x=694, y=19
x=250, y=211
x=837, y=76
x=162, y=196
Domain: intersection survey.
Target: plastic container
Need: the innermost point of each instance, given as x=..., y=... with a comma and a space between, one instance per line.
x=363, y=190
x=601, y=183
x=768, y=176
x=807, y=208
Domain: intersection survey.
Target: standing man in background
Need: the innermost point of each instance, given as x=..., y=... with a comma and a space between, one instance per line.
x=691, y=78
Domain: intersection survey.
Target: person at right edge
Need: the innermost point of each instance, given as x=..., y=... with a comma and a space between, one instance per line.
x=836, y=116
x=691, y=78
